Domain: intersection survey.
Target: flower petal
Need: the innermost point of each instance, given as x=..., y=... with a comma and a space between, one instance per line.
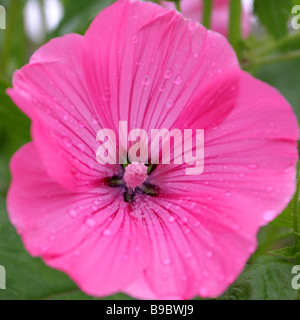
x=252, y=154
x=193, y=9
x=88, y=235
x=51, y=89
x=151, y=62
x=199, y=245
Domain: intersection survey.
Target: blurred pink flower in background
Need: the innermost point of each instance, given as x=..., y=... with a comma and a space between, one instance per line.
x=195, y=234
x=193, y=9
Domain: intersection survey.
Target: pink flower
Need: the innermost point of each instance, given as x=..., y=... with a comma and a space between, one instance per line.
x=193, y=9
x=187, y=235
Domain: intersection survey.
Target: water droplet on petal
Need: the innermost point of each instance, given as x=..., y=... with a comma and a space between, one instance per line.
x=135, y=39
x=166, y=262
x=168, y=74
x=81, y=125
x=269, y=215
x=253, y=166
x=146, y=80
x=52, y=238
x=209, y=254
x=67, y=142
x=178, y=80
x=162, y=88
x=169, y=103
x=203, y=292
x=90, y=223
x=188, y=255
x=81, y=147
x=171, y=219
x=72, y=213
x=107, y=233
x=94, y=119
x=197, y=224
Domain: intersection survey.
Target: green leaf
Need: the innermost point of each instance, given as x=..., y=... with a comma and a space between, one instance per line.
x=30, y=278
x=78, y=15
x=274, y=15
x=267, y=278
x=14, y=132
x=283, y=77
x=11, y=118
x=288, y=252
x=285, y=219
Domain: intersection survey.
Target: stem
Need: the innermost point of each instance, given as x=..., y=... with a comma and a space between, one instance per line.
x=279, y=43
x=177, y=4
x=9, y=32
x=229, y=293
x=235, y=26
x=207, y=10
x=295, y=211
x=272, y=59
x=43, y=17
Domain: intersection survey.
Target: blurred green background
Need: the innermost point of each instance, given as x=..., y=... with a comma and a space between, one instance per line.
x=271, y=53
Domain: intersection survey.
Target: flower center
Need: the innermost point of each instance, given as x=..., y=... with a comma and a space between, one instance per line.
x=135, y=175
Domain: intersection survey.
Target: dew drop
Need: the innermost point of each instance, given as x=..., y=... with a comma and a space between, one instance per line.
x=197, y=224
x=236, y=227
x=171, y=219
x=67, y=142
x=166, y=262
x=209, y=254
x=178, y=80
x=253, y=166
x=269, y=215
x=52, y=238
x=135, y=39
x=169, y=103
x=162, y=88
x=106, y=233
x=146, y=80
x=168, y=74
x=90, y=223
x=81, y=147
x=72, y=213
x=81, y=125
x=188, y=255
x=94, y=119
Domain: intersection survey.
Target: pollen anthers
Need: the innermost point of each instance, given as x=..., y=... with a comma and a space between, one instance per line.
x=135, y=175
x=134, y=181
